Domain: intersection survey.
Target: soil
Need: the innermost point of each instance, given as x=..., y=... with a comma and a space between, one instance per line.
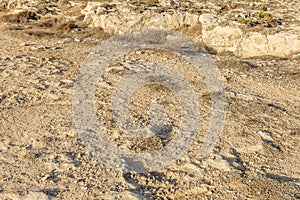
x=42, y=156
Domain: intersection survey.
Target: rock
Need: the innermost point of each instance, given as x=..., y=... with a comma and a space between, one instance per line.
x=216, y=161
x=232, y=37
x=247, y=149
x=265, y=135
x=122, y=19
x=283, y=44
x=223, y=38
x=255, y=44
x=279, y=44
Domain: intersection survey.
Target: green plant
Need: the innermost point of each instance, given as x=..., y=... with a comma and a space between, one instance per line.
x=263, y=15
x=263, y=7
x=245, y=21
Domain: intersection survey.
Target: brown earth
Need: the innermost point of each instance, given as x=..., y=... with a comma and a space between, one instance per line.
x=43, y=157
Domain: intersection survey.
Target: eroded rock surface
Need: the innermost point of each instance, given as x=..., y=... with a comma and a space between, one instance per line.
x=245, y=28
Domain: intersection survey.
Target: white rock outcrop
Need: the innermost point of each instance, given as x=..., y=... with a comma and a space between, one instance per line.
x=230, y=37
x=121, y=18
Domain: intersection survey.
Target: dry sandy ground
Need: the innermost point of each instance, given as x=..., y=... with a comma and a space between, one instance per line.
x=43, y=157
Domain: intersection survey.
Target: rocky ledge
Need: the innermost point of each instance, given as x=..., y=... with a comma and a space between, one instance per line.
x=243, y=28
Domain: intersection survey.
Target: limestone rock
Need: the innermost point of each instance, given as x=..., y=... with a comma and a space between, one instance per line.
x=121, y=18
